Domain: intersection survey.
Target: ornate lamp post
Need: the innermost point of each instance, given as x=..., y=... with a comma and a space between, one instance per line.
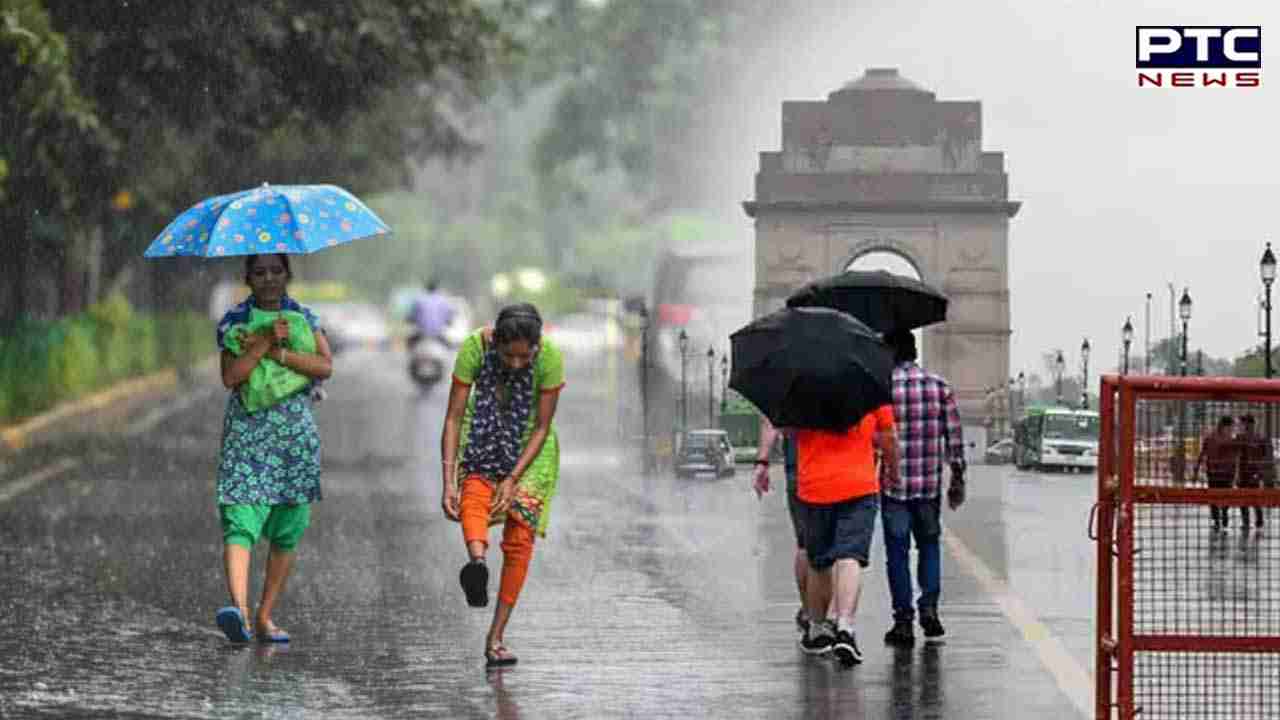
x=1184, y=312
x=1146, y=350
x=644, y=387
x=1084, y=361
x=1126, y=337
x=684, y=386
x=1059, y=367
x=724, y=383
x=1267, y=269
x=1022, y=392
x=711, y=387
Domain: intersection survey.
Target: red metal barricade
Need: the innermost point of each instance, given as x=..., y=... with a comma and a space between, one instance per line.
x=1188, y=611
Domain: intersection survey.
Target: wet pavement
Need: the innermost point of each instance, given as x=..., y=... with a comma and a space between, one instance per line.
x=650, y=597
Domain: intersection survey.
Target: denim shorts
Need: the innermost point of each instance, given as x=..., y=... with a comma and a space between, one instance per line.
x=841, y=531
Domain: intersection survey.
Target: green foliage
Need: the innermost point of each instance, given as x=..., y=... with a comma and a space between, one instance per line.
x=73, y=368
x=112, y=319
x=142, y=346
x=48, y=129
x=44, y=363
x=25, y=362
x=182, y=338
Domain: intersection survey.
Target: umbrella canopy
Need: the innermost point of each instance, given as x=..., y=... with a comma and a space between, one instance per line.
x=883, y=300
x=811, y=368
x=292, y=219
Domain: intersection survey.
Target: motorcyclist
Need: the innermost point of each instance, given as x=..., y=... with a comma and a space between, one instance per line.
x=431, y=315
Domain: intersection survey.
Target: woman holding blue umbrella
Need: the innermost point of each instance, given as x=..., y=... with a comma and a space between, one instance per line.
x=273, y=351
x=269, y=463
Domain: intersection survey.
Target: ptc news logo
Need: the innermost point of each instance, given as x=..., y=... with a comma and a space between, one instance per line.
x=1201, y=56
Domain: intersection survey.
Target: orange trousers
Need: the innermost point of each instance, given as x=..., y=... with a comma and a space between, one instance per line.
x=517, y=538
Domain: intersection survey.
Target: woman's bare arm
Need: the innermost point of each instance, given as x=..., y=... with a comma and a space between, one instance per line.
x=317, y=365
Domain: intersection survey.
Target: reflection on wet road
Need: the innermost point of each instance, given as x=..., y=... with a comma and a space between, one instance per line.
x=650, y=596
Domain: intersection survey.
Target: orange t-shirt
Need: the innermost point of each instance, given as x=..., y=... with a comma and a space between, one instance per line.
x=834, y=467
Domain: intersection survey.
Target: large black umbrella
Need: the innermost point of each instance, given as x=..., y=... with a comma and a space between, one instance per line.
x=883, y=300
x=811, y=368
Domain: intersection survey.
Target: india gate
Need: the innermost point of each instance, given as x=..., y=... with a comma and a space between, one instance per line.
x=883, y=166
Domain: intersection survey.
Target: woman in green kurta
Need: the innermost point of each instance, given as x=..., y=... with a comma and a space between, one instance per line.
x=501, y=455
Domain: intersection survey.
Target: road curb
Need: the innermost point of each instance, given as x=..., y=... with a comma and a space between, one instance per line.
x=16, y=437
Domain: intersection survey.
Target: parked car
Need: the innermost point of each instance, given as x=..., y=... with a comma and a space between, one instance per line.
x=1000, y=452
x=704, y=452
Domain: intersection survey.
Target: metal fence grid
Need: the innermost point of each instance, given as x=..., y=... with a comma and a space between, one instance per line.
x=1212, y=686
x=1189, y=592
x=1190, y=579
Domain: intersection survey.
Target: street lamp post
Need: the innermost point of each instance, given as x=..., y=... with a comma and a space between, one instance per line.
x=1184, y=312
x=1022, y=392
x=1059, y=366
x=1267, y=269
x=684, y=386
x=711, y=387
x=644, y=387
x=1126, y=337
x=1146, y=350
x=1084, y=387
x=724, y=383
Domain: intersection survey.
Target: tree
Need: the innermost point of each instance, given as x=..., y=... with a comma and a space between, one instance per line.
x=51, y=142
x=212, y=97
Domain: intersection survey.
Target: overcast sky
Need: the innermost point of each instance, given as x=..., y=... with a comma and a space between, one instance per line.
x=1123, y=189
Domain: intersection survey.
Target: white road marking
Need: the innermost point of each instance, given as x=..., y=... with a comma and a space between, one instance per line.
x=1074, y=680
x=156, y=415
x=26, y=482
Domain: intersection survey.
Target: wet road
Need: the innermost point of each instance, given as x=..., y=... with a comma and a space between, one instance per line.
x=649, y=597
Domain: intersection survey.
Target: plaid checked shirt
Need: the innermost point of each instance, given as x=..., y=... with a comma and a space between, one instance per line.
x=929, y=434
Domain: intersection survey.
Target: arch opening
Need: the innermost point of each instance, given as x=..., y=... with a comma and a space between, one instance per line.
x=898, y=264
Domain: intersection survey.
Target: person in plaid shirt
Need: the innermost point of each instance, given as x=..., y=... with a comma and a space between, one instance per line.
x=929, y=437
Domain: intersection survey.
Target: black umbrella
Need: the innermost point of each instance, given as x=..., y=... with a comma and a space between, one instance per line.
x=883, y=300
x=811, y=368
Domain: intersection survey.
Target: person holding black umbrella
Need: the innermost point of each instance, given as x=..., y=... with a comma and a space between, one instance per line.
x=826, y=377
x=930, y=434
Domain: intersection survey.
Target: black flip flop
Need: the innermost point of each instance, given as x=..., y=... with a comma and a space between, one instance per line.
x=474, y=578
x=499, y=656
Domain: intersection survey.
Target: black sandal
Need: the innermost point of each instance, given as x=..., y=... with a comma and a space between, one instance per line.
x=474, y=578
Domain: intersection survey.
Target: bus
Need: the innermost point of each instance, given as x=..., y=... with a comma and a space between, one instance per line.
x=1056, y=437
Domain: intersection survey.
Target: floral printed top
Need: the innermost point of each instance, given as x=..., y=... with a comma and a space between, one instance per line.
x=500, y=418
x=270, y=457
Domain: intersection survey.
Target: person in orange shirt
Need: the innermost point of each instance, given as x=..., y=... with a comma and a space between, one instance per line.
x=839, y=489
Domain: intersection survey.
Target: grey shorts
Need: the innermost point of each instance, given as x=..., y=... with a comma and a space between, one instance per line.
x=842, y=531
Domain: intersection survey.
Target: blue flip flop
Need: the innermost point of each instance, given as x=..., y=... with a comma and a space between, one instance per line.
x=233, y=625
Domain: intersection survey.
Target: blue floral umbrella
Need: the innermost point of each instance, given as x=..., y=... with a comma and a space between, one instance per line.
x=292, y=219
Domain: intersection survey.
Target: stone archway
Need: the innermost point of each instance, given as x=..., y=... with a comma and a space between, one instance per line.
x=883, y=167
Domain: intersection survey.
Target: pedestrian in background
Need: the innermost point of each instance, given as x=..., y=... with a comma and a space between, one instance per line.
x=1220, y=455
x=501, y=455
x=929, y=437
x=269, y=463
x=1257, y=466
